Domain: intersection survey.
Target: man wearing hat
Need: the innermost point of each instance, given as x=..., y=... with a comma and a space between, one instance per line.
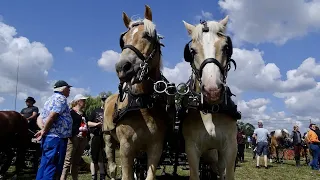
x=30, y=112
x=55, y=130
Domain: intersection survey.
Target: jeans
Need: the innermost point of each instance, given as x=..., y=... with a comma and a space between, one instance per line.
x=315, y=156
x=53, y=154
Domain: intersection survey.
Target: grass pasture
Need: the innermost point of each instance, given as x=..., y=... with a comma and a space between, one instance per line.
x=246, y=171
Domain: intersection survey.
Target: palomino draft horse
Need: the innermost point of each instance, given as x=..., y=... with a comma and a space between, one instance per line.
x=280, y=140
x=13, y=135
x=136, y=117
x=209, y=129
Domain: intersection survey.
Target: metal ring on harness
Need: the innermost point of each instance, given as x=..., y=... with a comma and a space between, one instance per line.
x=171, y=86
x=156, y=84
x=185, y=89
x=215, y=108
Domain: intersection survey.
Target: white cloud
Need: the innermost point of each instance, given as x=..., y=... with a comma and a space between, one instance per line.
x=180, y=73
x=254, y=74
x=2, y=100
x=204, y=16
x=271, y=21
x=33, y=57
x=68, y=49
x=108, y=60
x=304, y=103
x=256, y=109
x=34, y=62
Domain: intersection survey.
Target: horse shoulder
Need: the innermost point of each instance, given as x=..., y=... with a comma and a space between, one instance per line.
x=110, y=106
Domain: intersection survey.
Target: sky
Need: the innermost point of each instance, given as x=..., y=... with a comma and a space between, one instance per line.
x=275, y=47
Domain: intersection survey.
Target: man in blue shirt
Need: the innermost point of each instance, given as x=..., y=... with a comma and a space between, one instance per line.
x=261, y=135
x=56, y=128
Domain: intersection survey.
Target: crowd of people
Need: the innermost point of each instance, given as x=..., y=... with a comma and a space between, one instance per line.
x=260, y=143
x=64, y=132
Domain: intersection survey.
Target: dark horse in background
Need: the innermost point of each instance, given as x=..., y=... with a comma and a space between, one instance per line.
x=14, y=137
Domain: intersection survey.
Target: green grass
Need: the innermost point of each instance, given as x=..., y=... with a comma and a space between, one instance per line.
x=247, y=171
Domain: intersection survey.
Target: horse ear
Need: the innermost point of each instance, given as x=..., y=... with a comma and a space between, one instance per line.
x=148, y=13
x=189, y=27
x=224, y=21
x=126, y=19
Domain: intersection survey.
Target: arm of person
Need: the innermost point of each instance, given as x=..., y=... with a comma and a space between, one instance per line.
x=313, y=137
x=51, y=118
x=40, y=122
x=91, y=119
x=34, y=113
x=254, y=134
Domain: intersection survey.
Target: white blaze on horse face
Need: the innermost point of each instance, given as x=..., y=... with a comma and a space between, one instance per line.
x=128, y=53
x=133, y=33
x=211, y=73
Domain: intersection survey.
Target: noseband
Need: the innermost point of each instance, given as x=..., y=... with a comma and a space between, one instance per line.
x=154, y=40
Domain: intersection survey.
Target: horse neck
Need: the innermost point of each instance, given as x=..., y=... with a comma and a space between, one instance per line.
x=146, y=86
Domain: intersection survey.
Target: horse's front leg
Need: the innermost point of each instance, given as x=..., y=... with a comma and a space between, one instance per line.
x=110, y=153
x=230, y=156
x=193, y=155
x=154, y=154
x=126, y=156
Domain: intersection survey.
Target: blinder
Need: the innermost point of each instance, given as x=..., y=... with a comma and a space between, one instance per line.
x=189, y=53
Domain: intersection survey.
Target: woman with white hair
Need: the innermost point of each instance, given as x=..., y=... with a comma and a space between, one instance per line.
x=78, y=141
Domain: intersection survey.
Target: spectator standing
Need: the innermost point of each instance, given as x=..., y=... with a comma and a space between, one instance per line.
x=98, y=157
x=297, y=144
x=56, y=128
x=30, y=113
x=78, y=141
x=261, y=135
x=241, y=144
x=314, y=143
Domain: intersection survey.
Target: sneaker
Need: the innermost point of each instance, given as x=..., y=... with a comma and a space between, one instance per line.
x=258, y=167
x=266, y=167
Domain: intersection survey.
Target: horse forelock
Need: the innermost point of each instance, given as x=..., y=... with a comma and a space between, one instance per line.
x=149, y=26
x=214, y=27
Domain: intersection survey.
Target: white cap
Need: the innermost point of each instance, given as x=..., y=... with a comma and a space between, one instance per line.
x=78, y=97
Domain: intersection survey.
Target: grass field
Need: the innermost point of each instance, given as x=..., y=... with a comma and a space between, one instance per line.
x=247, y=171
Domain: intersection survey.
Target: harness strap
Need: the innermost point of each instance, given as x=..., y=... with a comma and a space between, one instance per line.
x=135, y=102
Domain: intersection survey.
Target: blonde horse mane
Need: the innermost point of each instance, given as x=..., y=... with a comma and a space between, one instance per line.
x=214, y=27
x=149, y=26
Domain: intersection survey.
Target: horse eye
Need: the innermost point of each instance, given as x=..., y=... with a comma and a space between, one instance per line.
x=193, y=51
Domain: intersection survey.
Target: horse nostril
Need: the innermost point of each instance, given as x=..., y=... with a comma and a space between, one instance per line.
x=126, y=67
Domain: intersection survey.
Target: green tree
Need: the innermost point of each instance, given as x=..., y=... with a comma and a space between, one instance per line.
x=94, y=102
x=247, y=128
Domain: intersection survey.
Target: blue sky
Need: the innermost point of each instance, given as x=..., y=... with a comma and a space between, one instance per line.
x=90, y=28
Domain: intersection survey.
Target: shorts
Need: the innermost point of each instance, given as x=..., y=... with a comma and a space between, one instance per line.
x=262, y=148
x=97, y=150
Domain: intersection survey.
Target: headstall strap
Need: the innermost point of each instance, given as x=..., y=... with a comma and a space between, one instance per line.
x=205, y=28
